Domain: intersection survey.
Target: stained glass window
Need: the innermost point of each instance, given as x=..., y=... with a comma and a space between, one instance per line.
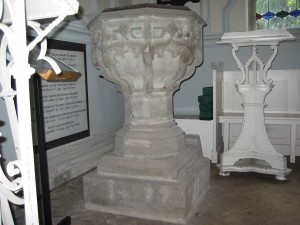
x=272, y=14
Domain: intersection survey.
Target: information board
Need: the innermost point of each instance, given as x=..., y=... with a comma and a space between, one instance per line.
x=65, y=105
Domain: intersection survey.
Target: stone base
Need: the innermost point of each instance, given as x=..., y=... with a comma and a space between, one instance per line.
x=165, y=189
x=156, y=199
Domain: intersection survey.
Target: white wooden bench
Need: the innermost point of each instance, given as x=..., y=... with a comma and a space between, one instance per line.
x=205, y=129
x=282, y=112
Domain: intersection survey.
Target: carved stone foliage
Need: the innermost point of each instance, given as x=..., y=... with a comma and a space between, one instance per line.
x=150, y=51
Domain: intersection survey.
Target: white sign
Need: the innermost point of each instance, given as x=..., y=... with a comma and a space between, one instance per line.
x=65, y=103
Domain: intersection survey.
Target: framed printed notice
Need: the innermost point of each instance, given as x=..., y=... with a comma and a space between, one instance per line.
x=65, y=103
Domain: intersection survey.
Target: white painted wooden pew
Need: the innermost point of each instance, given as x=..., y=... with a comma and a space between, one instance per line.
x=282, y=112
x=206, y=129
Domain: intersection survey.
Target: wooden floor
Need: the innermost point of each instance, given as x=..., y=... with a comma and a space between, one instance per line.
x=240, y=199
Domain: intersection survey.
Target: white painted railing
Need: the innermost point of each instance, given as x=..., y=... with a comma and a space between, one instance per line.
x=15, y=19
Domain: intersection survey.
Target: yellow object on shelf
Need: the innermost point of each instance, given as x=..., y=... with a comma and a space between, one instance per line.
x=50, y=75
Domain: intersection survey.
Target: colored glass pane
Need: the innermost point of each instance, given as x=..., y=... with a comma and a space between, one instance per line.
x=262, y=24
x=261, y=7
x=275, y=23
x=277, y=14
x=268, y=15
x=295, y=13
x=258, y=16
x=279, y=5
x=282, y=14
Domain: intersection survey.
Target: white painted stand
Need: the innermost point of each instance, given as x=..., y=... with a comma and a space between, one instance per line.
x=253, y=150
x=282, y=114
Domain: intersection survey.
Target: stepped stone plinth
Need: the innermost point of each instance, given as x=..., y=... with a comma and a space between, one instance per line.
x=155, y=171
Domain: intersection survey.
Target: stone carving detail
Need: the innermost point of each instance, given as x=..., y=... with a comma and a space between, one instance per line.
x=182, y=40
